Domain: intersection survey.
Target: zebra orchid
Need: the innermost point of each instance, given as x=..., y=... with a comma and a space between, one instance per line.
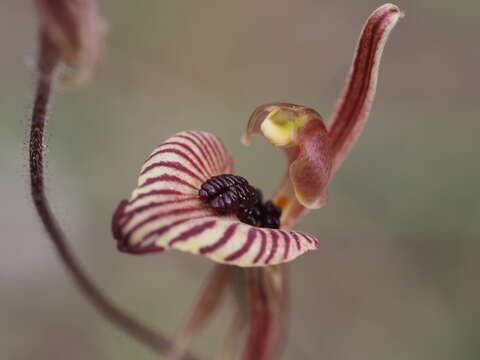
x=189, y=199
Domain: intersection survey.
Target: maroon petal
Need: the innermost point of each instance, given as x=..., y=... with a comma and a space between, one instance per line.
x=355, y=102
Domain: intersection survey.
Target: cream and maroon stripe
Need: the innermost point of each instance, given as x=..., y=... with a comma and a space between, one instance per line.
x=164, y=211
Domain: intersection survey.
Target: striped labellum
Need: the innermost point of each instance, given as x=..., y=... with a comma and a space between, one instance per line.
x=171, y=208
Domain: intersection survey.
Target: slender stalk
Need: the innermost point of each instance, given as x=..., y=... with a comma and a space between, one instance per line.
x=234, y=334
x=260, y=317
x=267, y=294
x=47, y=63
x=279, y=289
x=207, y=303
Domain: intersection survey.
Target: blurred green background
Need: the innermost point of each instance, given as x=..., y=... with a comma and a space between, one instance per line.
x=397, y=276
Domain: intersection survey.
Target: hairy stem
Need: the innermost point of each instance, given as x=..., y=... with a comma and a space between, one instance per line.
x=47, y=62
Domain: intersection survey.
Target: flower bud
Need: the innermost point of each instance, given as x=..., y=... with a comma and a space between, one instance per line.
x=76, y=31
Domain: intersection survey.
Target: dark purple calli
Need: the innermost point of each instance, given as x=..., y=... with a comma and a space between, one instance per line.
x=187, y=199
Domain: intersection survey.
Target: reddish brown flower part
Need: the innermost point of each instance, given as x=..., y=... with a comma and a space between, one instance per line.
x=353, y=107
x=76, y=30
x=313, y=151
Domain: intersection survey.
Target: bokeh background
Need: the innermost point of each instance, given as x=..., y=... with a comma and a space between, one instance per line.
x=397, y=276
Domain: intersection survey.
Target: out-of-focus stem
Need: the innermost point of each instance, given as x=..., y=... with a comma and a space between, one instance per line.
x=279, y=290
x=234, y=337
x=229, y=349
x=260, y=317
x=267, y=294
x=47, y=63
x=207, y=303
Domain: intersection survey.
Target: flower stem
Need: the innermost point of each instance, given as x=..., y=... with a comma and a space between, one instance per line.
x=207, y=304
x=267, y=293
x=47, y=63
x=233, y=338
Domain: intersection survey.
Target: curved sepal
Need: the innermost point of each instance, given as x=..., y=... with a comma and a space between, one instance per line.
x=353, y=107
x=165, y=212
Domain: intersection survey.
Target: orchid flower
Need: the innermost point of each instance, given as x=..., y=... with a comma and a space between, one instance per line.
x=188, y=197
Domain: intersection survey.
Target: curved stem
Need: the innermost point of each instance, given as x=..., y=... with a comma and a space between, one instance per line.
x=48, y=60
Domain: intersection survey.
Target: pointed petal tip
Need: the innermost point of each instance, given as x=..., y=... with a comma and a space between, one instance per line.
x=393, y=12
x=387, y=14
x=392, y=8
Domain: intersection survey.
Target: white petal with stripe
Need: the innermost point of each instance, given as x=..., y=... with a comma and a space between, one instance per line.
x=164, y=211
